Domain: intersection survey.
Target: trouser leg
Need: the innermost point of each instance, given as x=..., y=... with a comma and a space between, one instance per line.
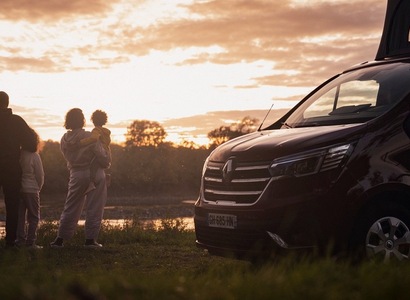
x=11, y=199
x=12, y=206
x=11, y=183
x=96, y=201
x=77, y=185
x=21, y=225
x=33, y=216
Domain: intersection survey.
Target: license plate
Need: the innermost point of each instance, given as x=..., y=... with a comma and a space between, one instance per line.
x=222, y=221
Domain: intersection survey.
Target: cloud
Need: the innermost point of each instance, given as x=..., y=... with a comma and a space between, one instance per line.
x=203, y=124
x=298, y=45
x=50, y=126
x=38, y=118
x=51, y=11
x=40, y=64
x=314, y=40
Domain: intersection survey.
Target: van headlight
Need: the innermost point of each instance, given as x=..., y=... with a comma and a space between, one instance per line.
x=312, y=162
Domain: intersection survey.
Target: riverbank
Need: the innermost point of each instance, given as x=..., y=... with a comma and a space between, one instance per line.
x=143, y=208
x=129, y=207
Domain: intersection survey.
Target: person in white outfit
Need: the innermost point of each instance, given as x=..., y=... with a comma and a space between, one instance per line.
x=31, y=183
x=78, y=163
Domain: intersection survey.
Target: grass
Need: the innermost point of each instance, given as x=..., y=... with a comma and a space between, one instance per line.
x=139, y=263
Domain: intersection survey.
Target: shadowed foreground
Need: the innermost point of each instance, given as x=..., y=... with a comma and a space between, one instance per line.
x=165, y=264
x=147, y=263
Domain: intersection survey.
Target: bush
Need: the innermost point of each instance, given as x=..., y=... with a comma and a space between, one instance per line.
x=135, y=170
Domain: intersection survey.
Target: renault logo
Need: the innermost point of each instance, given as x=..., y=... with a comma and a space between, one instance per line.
x=227, y=170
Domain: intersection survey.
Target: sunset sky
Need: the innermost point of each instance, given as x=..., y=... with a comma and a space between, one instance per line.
x=190, y=65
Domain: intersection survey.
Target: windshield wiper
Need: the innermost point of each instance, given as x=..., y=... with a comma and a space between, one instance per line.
x=286, y=125
x=308, y=125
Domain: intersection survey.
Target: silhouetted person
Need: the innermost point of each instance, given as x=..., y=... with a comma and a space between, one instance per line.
x=14, y=132
x=78, y=163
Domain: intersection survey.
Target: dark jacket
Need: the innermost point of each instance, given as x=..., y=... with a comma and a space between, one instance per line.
x=14, y=132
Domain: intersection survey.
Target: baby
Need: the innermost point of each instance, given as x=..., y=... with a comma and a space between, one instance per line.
x=99, y=119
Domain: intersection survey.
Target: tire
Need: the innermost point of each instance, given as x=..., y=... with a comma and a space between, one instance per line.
x=383, y=234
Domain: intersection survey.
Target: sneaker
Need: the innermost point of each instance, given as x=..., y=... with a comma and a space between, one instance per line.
x=34, y=247
x=90, y=188
x=55, y=245
x=92, y=244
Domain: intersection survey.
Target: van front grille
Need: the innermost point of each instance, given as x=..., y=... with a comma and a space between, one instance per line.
x=239, y=183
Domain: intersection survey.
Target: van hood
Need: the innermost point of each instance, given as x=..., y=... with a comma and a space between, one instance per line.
x=395, y=38
x=269, y=144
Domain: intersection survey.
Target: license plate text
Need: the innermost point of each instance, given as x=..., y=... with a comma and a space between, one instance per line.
x=222, y=221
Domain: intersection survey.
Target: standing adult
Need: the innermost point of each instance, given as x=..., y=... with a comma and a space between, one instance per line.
x=14, y=132
x=78, y=163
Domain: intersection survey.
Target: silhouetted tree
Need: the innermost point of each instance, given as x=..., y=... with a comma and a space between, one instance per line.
x=55, y=168
x=143, y=133
x=223, y=134
x=246, y=125
x=155, y=170
x=189, y=144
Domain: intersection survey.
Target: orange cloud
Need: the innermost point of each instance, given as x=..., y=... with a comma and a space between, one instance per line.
x=51, y=11
x=203, y=124
x=314, y=41
x=276, y=32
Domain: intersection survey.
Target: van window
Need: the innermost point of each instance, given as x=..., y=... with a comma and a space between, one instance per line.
x=357, y=93
x=345, y=97
x=354, y=97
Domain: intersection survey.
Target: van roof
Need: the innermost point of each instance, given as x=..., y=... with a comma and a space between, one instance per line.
x=395, y=40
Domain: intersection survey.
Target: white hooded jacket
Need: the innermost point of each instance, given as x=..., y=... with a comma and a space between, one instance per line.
x=80, y=158
x=32, y=178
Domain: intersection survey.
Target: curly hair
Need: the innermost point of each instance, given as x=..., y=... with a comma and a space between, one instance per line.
x=74, y=119
x=32, y=143
x=99, y=118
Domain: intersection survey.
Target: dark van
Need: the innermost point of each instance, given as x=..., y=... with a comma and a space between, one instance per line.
x=334, y=170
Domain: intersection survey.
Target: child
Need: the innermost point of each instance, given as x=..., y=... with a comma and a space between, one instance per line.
x=31, y=183
x=99, y=119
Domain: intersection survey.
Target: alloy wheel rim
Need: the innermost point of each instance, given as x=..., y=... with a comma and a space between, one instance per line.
x=388, y=238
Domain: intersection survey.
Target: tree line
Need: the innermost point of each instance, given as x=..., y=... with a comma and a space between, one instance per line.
x=146, y=164
x=142, y=133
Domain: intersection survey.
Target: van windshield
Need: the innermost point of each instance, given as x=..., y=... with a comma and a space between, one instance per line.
x=354, y=97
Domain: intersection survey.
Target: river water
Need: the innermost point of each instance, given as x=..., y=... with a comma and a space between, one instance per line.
x=188, y=222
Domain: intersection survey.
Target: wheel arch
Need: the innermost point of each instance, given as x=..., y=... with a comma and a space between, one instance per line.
x=396, y=195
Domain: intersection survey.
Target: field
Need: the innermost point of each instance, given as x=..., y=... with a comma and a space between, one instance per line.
x=139, y=262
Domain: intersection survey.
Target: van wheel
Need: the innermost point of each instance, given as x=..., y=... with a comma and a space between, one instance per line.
x=385, y=234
